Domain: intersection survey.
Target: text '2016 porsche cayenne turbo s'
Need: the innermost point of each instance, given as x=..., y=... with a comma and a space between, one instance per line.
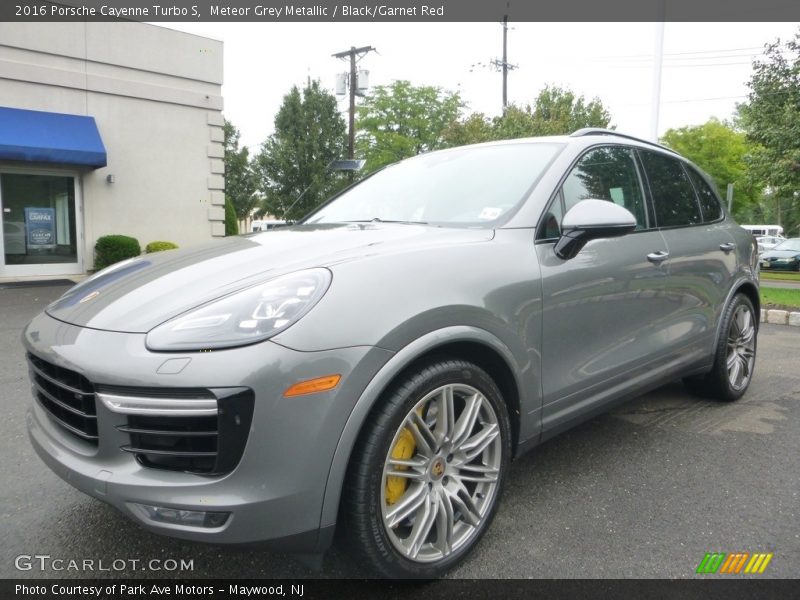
x=374, y=368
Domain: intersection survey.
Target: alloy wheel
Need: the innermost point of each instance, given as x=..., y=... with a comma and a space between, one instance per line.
x=440, y=476
x=741, y=347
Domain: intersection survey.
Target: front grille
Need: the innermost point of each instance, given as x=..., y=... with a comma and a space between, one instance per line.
x=208, y=445
x=67, y=396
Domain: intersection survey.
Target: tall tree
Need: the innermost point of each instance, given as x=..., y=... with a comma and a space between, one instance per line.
x=771, y=119
x=240, y=183
x=402, y=120
x=554, y=111
x=292, y=166
x=720, y=151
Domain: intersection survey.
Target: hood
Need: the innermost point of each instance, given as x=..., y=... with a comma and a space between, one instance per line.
x=136, y=295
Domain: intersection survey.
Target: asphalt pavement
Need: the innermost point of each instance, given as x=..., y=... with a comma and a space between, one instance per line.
x=642, y=492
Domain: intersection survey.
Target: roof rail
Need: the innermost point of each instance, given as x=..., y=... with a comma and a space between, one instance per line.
x=600, y=131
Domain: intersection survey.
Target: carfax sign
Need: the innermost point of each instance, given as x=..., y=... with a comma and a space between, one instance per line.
x=40, y=227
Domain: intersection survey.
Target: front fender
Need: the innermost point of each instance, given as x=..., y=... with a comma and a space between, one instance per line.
x=391, y=369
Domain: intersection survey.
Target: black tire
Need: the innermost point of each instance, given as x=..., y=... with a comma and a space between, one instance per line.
x=717, y=383
x=362, y=520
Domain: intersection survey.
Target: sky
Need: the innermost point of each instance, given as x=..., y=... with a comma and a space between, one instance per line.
x=705, y=69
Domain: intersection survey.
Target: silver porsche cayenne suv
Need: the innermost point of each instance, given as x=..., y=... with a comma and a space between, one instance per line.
x=376, y=367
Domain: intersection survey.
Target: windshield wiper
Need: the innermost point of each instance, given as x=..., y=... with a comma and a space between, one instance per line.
x=379, y=220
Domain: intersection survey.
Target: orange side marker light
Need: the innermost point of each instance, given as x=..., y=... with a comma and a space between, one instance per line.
x=313, y=386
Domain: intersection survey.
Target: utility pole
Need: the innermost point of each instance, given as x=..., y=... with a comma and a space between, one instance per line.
x=354, y=54
x=504, y=65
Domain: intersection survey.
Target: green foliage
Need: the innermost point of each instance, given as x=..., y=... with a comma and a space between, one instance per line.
x=790, y=298
x=110, y=249
x=293, y=161
x=771, y=119
x=555, y=111
x=402, y=120
x=720, y=151
x=473, y=129
x=240, y=181
x=231, y=222
x=159, y=247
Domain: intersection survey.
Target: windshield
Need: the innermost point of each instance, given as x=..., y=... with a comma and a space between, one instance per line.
x=792, y=245
x=473, y=186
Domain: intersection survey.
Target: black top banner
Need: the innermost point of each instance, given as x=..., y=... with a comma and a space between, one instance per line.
x=401, y=10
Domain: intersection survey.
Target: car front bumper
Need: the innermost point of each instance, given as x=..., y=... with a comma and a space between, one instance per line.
x=276, y=490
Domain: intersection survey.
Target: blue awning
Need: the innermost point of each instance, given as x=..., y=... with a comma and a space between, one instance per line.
x=36, y=136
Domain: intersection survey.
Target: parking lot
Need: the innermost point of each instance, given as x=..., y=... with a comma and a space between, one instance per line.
x=644, y=491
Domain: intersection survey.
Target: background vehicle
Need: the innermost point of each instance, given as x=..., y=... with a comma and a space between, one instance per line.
x=768, y=242
x=376, y=367
x=266, y=225
x=784, y=256
x=762, y=230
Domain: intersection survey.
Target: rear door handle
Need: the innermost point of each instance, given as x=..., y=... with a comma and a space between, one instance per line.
x=658, y=257
x=727, y=247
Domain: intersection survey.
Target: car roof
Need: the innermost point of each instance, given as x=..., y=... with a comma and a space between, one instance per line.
x=587, y=136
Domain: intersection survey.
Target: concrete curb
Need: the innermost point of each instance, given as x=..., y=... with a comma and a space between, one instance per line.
x=780, y=317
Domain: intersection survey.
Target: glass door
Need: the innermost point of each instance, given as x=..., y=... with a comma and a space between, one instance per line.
x=41, y=231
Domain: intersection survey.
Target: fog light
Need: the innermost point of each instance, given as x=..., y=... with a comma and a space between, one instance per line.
x=178, y=516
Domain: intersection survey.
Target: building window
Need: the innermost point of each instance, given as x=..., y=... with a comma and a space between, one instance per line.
x=38, y=219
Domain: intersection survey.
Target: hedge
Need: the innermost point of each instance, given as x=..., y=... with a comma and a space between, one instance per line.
x=111, y=249
x=159, y=247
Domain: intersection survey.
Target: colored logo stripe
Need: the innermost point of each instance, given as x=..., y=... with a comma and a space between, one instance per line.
x=711, y=562
x=733, y=563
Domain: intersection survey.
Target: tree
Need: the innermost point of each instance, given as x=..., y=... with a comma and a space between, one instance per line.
x=555, y=111
x=720, y=151
x=231, y=221
x=240, y=182
x=473, y=129
x=771, y=119
x=292, y=166
x=402, y=120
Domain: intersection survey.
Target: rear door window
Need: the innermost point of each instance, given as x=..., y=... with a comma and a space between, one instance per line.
x=673, y=195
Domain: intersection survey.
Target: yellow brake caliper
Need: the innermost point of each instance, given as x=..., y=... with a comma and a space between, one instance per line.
x=403, y=449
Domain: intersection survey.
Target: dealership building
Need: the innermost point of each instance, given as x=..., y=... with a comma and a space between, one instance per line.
x=106, y=128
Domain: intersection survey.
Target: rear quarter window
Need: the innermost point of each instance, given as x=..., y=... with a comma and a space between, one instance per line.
x=709, y=202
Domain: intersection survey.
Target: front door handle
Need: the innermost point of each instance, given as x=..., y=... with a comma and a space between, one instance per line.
x=727, y=247
x=658, y=257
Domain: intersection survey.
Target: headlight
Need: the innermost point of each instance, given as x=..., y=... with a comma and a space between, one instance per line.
x=244, y=317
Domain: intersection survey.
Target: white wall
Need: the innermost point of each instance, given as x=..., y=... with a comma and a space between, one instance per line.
x=156, y=96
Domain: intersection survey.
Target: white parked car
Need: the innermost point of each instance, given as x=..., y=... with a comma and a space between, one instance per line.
x=768, y=242
x=266, y=225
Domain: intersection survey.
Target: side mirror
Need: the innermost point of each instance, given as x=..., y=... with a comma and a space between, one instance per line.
x=590, y=220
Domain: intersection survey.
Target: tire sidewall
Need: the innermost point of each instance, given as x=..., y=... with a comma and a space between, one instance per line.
x=721, y=362
x=404, y=399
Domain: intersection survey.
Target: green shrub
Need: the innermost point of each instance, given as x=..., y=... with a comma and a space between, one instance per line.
x=111, y=249
x=231, y=222
x=159, y=247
